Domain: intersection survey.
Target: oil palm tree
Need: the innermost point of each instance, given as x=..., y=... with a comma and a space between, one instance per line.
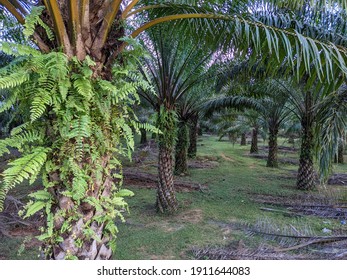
x=79, y=46
x=253, y=119
x=173, y=69
x=332, y=109
x=265, y=97
x=188, y=114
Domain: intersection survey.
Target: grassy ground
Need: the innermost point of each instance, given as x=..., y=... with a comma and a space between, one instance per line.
x=199, y=223
x=230, y=179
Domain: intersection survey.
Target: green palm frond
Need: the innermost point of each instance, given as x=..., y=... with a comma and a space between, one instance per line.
x=236, y=102
x=332, y=112
x=242, y=30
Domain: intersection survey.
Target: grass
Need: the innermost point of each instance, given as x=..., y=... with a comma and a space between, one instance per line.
x=233, y=180
x=147, y=235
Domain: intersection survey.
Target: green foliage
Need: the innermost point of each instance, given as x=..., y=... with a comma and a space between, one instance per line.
x=75, y=126
x=33, y=19
x=167, y=123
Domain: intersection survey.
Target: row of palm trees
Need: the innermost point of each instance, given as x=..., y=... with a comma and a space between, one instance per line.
x=293, y=38
x=301, y=93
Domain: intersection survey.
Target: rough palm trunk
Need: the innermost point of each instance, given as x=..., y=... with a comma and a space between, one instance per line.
x=193, y=137
x=84, y=238
x=340, y=152
x=254, y=143
x=166, y=197
x=143, y=139
x=181, y=151
x=306, y=175
x=243, y=139
x=200, y=132
x=272, y=160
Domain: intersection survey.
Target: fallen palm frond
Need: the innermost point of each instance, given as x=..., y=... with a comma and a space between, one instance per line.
x=279, y=242
x=338, y=179
x=238, y=251
x=325, y=205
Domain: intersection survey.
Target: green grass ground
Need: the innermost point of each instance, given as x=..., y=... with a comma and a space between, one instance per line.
x=232, y=179
x=231, y=184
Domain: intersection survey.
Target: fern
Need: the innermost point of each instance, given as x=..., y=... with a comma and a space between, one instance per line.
x=34, y=19
x=9, y=101
x=14, y=79
x=83, y=87
x=19, y=128
x=17, y=50
x=39, y=104
x=83, y=121
x=28, y=166
x=19, y=140
x=80, y=130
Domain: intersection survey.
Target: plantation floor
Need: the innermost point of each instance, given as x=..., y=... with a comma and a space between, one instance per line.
x=231, y=207
x=229, y=210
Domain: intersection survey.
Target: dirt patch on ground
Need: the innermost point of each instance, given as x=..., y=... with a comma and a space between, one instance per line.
x=282, y=160
x=202, y=164
x=170, y=227
x=227, y=158
x=12, y=225
x=133, y=177
x=281, y=149
x=192, y=216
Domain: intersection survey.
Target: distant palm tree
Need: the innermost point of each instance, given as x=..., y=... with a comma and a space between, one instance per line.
x=174, y=68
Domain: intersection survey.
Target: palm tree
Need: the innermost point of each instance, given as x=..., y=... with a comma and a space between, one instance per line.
x=188, y=114
x=253, y=119
x=333, y=110
x=193, y=135
x=272, y=106
x=173, y=69
x=75, y=127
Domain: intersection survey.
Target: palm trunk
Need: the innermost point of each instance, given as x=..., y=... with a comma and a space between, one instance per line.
x=340, y=152
x=254, y=144
x=84, y=238
x=193, y=137
x=143, y=139
x=181, y=151
x=166, y=197
x=243, y=139
x=306, y=175
x=272, y=160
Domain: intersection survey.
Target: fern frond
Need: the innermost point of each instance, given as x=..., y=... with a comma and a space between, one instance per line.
x=80, y=129
x=32, y=20
x=20, y=128
x=83, y=86
x=9, y=101
x=39, y=104
x=26, y=167
x=79, y=187
x=14, y=79
x=128, y=135
x=146, y=126
x=19, y=140
x=18, y=49
x=57, y=65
